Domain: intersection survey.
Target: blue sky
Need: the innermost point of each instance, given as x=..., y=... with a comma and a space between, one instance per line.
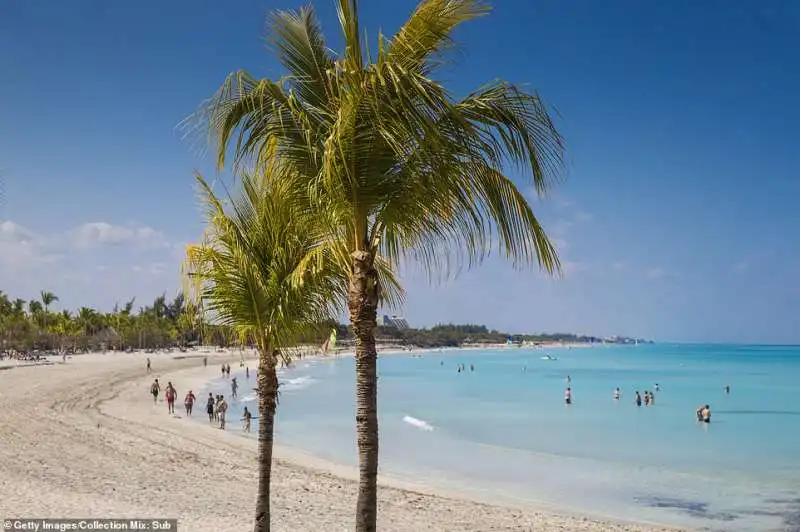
x=677, y=220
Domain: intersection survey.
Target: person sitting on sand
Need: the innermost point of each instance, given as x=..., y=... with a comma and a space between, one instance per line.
x=221, y=409
x=210, y=407
x=188, y=402
x=246, y=417
x=155, y=388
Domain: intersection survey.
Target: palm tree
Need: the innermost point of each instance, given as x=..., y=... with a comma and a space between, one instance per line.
x=396, y=166
x=48, y=298
x=249, y=275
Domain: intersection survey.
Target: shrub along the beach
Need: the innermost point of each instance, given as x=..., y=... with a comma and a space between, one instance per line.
x=394, y=166
x=27, y=326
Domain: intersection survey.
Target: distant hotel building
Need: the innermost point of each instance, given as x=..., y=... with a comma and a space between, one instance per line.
x=398, y=322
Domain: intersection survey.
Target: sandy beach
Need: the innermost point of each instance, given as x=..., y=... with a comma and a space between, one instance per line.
x=84, y=439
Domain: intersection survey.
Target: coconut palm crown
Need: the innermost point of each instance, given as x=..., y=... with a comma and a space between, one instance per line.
x=396, y=165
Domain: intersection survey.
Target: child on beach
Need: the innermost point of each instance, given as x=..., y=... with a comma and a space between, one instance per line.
x=247, y=417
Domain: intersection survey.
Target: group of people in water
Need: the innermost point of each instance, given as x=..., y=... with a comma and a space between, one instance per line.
x=216, y=406
x=703, y=413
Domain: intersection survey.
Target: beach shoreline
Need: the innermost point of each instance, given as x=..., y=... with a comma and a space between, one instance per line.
x=86, y=439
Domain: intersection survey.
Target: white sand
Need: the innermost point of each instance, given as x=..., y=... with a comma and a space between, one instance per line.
x=83, y=439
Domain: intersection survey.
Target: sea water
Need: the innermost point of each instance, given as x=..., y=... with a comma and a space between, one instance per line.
x=504, y=433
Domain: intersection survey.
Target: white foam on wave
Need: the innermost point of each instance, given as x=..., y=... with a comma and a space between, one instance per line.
x=298, y=383
x=420, y=424
x=249, y=398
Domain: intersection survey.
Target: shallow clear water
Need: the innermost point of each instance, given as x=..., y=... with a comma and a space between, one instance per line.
x=504, y=432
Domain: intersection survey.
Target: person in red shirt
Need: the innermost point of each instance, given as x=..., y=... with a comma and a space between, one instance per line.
x=188, y=402
x=170, y=396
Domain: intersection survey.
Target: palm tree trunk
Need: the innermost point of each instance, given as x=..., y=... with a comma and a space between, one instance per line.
x=267, y=395
x=362, y=302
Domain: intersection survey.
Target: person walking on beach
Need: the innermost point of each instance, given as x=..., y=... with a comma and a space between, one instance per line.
x=223, y=370
x=247, y=372
x=568, y=396
x=234, y=388
x=170, y=396
x=210, y=407
x=247, y=418
x=188, y=402
x=228, y=370
x=155, y=389
x=205, y=361
x=221, y=409
x=148, y=366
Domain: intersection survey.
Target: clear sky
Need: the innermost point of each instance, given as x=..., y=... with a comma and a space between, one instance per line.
x=678, y=219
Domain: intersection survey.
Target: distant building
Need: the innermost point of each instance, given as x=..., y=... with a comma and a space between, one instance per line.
x=398, y=322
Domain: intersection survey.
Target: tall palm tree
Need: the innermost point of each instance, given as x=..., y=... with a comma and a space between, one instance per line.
x=396, y=165
x=246, y=275
x=48, y=298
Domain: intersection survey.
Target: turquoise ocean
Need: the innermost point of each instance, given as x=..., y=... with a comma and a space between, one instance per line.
x=503, y=432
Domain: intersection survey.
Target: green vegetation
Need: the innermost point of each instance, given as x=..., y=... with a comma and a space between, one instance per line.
x=27, y=326
x=392, y=164
x=250, y=273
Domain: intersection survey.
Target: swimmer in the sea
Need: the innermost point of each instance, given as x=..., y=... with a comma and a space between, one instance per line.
x=617, y=394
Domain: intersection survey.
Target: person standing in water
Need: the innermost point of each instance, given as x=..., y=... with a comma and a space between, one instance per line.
x=704, y=414
x=656, y=388
x=247, y=372
x=569, y=379
x=637, y=399
x=568, y=396
x=228, y=370
x=617, y=394
x=155, y=389
x=234, y=388
x=188, y=402
x=727, y=389
x=247, y=418
x=210, y=407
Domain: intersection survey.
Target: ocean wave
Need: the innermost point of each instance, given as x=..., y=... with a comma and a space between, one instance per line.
x=298, y=383
x=249, y=398
x=420, y=424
